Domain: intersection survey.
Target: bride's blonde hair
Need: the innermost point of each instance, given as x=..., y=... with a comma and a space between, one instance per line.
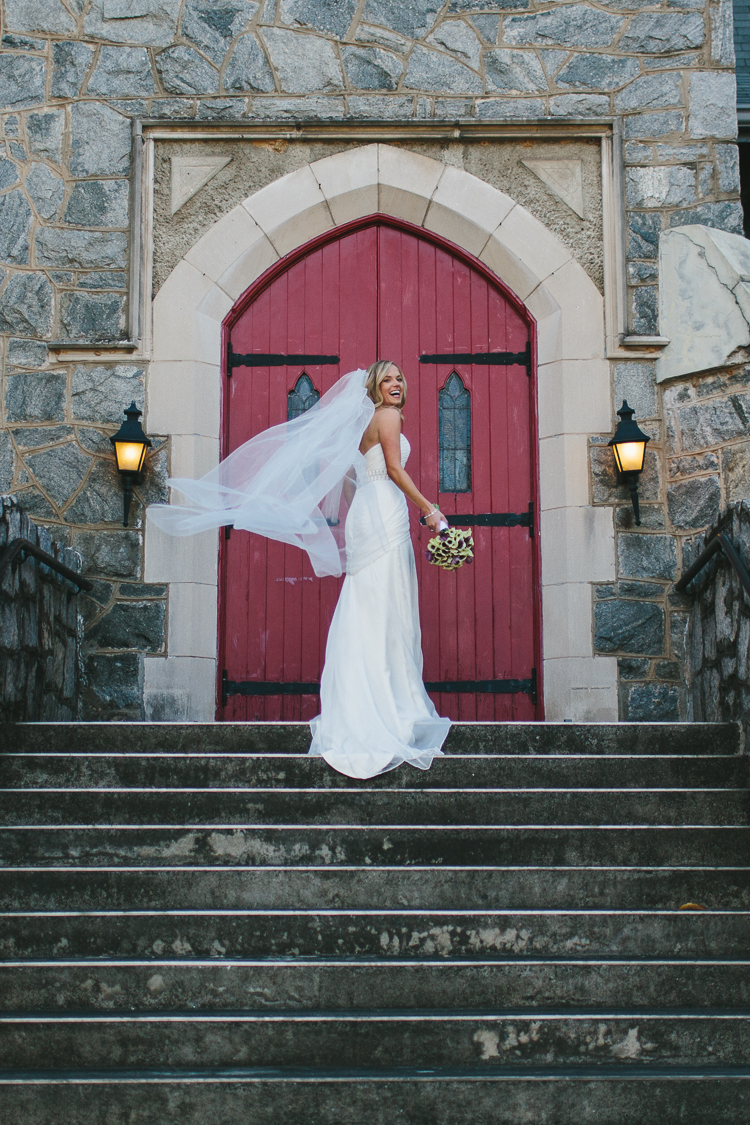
x=376, y=373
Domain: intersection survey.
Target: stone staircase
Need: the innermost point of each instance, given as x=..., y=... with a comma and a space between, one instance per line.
x=202, y=926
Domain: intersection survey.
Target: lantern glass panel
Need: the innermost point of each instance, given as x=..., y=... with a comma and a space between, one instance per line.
x=130, y=455
x=629, y=456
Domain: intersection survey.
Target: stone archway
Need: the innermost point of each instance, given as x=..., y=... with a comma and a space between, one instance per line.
x=183, y=397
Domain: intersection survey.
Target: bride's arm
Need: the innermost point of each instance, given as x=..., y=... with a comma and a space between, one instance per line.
x=350, y=486
x=389, y=435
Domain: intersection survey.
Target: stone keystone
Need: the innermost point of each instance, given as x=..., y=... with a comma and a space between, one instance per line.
x=190, y=174
x=564, y=178
x=704, y=302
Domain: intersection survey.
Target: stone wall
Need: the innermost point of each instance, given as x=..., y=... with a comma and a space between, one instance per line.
x=697, y=463
x=719, y=631
x=56, y=456
x=73, y=77
x=41, y=629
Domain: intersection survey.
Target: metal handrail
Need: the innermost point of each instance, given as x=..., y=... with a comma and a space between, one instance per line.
x=25, y=548
x=717, y=542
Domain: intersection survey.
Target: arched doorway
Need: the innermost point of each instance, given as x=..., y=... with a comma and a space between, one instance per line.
x=382, y=288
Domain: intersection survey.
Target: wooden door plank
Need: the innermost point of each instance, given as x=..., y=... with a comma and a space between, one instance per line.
x=453, y=307
x=422, y=417
x=472, y=604
x=304, y=336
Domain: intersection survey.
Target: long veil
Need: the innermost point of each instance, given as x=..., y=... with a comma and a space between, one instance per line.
x=293, y=482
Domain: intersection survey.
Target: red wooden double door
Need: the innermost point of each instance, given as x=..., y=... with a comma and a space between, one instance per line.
x=386, y=290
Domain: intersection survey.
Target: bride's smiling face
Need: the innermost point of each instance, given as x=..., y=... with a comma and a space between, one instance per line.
x=392, y=388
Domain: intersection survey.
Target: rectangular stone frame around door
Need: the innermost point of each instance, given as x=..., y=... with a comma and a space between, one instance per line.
x=187, y=691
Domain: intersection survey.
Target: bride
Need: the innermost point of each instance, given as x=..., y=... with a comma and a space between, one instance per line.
x=374, y=710
x=333, y=482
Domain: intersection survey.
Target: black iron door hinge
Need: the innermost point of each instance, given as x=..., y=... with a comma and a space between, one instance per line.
x=481, y=687
x=487, y=687
x=272, y=359
x=495, y=519
x=484, y=359
x=263, y=687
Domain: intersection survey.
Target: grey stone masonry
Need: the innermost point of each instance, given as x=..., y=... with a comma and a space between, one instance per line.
x=41, y=628
x=697, y=465
x=719, y=627
x=72, y=77
x=56, y=457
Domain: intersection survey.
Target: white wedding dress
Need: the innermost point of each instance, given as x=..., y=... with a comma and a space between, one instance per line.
x=375, y=712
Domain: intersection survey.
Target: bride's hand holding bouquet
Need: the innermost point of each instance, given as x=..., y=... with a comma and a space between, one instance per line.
x=433, y=519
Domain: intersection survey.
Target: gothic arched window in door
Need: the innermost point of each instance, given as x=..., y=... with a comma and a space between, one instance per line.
x=454, y=402
x=302, y=397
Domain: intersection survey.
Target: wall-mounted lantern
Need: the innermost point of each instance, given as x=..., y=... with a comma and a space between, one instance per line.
x=629, y=447
x=130, y=444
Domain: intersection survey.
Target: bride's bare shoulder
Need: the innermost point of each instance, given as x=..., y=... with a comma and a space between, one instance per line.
x=385, y=424
x=388, y=419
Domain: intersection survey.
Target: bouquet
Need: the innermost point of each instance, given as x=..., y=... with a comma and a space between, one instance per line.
x=451, y=548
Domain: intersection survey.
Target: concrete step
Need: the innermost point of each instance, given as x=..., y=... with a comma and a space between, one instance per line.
x=374, y=1039
x=637, y=1094
x=441, y=888
x=294, y=738
x=228, y=986
x=494, y=941
x=295, y=771
x=238, y=808
x=321, y=845
x=385, y=934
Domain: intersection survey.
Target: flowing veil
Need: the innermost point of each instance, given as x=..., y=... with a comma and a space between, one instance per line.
x=294, y=482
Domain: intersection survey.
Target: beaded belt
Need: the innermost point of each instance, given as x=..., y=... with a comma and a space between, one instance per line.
x=377, y=474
